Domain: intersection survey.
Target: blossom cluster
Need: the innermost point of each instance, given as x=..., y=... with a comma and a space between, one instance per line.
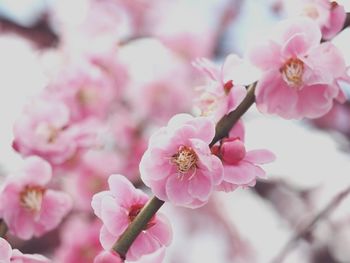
x=93, y=122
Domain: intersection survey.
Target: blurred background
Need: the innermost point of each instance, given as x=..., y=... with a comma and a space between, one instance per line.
x=130, y=64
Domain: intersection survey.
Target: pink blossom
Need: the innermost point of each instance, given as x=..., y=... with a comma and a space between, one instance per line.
x=225, y=89
x=329, y=15
x=241, y=167
x=27, y=206
x=118, y=207
x=113, y=257
x=44, y=129
x=178, y=164
x=299, y=74
x=86, y=90
x=7, y=255
x=90, y=176
x=79, y=241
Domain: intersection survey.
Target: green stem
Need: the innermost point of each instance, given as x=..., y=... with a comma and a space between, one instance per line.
x=136, y=226
x=3, y=228
x=150, y=209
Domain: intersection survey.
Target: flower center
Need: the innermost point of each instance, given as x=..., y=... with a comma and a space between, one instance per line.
x=31, y=198
x=86, y=96
x=292, y=72
x=48, y=132
x=135, y=210
x=185, y=159
x=228, y=86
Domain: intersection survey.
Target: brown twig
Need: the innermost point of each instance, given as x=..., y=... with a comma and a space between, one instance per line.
x=323, y=214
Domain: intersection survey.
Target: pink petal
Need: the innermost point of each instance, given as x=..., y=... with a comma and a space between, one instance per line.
x=315, y=101
x=242, y=174
x=266, y=55
x=5, y=250
x=96, y=202
x=107, y=239
x=144, y=244
x=55, y=205
x=37, y=171
x=177, y=190
x=200, y=187
x=207, y=67
x=239, y=71
x=301, y=25
x=327, y=60
x=274, y=96
x=238, y=131
x=226, y=187
x=260, y=156
x=108, y=257
x=114, y=217
x=162, y=230
x=337, y=19
x=122, y=189
x=295, y=46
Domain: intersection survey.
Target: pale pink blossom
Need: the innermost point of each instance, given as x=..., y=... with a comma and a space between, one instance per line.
x=329, y=15
x=79, y=241
x=225, y=89
x=299, y=74
x=44, y=129
x=27, y=206
x=90, y=176
x=85, y=89
x=8, y=255
x=178, y=164
x=241, y=167
x=118, y=207
x=113, y=257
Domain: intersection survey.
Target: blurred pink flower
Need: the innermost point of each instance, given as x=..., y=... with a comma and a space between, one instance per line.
x=27, y=206
x=7, y=255
x=241, y=167
x=90, y=176
x=44, y=129
x=87, y=90
x=79, y=241
x=178, y=164
x=118, y=207
x=329, y=15
x=225, y=90
x=299, y=74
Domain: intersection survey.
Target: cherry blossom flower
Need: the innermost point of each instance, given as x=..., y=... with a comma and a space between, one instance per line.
x=226, y=90
x=44, y=129
x=178, y=164
x=8, y=255
x=86, y=90
x=27, y=206
x=118, y=207
x=241, y=167
x=299, y=74
x=79, y=241
x=329, y=15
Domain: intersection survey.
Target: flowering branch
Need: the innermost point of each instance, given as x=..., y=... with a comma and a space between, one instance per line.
x=323, y=214
x=150, y=209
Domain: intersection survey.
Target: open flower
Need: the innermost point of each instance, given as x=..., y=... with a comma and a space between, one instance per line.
x=225, y=89
x=8, y=255
x=178, y=164
x=27, y=206
x=118, y=207
x=45, y=129
x=329, y=15
x=241, y=167
x=299, y=74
